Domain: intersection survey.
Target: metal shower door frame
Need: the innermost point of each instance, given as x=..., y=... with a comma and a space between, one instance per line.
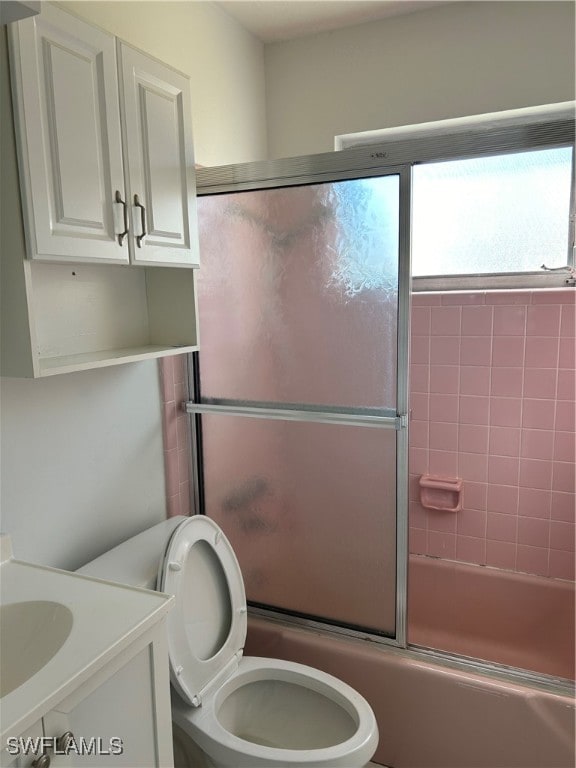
x=299, y=172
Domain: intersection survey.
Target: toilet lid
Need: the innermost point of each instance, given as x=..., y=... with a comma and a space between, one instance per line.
x=207, y=626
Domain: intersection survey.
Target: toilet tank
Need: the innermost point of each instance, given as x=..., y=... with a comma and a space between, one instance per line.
x=136, y=560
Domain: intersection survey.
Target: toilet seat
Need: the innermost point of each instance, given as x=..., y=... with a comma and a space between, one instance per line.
x=244, y=712
x=207, y=626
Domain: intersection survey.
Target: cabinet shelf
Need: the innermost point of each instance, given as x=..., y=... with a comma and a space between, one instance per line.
x=49, y=366
x=84, y=316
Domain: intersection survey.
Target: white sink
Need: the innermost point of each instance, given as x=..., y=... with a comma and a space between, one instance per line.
x=57, y=629
x=31, y=633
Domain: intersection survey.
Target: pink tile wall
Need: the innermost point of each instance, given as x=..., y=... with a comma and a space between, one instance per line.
x=492, y=398
x=174, y=388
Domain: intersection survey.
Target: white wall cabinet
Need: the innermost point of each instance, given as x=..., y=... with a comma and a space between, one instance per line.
x=106, y=153
x=96, y=122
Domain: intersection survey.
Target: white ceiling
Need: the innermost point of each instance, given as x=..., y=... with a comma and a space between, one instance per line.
x=271, y=20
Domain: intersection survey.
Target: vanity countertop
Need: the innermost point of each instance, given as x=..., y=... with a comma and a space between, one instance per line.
x=106, y=619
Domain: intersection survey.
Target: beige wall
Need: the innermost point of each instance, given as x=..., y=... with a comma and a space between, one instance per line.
x=447, y=61
x=224, y=62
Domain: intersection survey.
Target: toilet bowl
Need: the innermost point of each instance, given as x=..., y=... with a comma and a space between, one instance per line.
x=277, y=713
x=242, y=711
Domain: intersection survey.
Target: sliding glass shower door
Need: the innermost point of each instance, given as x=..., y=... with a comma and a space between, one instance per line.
x=300, y=405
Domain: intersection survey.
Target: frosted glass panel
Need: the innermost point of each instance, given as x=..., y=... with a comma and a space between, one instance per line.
x=507, y=213
x=310, y=510
x=297, y=294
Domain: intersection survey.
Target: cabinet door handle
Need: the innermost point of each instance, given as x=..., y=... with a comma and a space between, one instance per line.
x=118, y=199
x=142, y=235
x=42, y=762
x=62, y=742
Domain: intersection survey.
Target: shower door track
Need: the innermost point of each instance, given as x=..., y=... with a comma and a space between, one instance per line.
x=549, y=683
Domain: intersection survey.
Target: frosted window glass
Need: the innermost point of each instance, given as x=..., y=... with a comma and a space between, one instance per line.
x=507, y=213
x=310, y=510
x=297, y=294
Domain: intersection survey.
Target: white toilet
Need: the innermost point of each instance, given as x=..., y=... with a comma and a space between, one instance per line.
x=241, y=711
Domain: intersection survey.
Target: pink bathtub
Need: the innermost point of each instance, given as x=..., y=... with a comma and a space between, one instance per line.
x=433, y=716
x=510, y=618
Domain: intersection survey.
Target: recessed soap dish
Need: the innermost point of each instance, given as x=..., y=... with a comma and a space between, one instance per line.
x=441, y=493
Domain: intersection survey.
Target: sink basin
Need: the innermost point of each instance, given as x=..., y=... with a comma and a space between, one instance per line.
x=31, y=633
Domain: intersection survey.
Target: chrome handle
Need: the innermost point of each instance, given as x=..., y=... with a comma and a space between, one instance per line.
x=42, y=762
x=118, y=199
x=142, y=235
x=63, y=742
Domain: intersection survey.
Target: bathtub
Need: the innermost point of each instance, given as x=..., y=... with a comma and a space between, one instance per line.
x=509, y=618
x=431, y=715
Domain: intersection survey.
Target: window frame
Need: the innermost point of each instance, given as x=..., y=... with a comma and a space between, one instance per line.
x=510, y=132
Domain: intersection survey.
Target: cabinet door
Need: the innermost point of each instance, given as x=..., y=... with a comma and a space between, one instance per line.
x=159, y=160
x=23, y=751
x=119, y=719
x=69, y=137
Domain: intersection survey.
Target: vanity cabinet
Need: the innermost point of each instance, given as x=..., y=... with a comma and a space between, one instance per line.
x=99, y=229
x=94, y=692
x=23, y=760
x=120, y=717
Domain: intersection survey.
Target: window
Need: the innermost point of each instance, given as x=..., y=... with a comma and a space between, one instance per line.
x=491, y=215
x=493, y=196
